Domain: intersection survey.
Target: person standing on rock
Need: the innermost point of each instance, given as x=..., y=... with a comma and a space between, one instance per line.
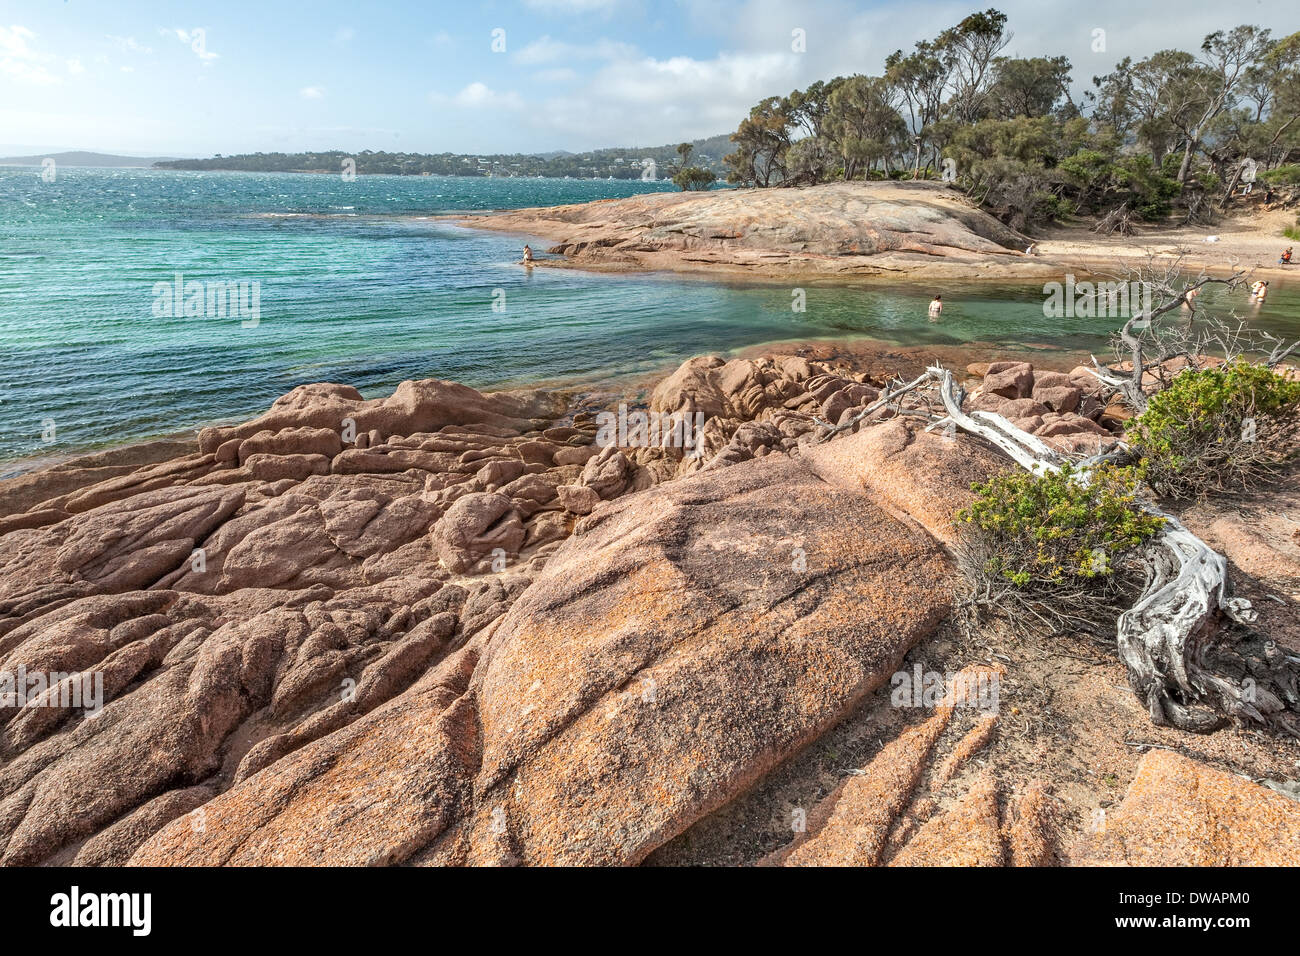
x=936, y=306
x=528, y=254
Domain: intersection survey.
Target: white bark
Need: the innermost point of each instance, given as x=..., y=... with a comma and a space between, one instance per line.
x=1166, y=638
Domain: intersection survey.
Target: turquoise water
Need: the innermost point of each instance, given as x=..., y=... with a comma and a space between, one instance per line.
x=355, y=287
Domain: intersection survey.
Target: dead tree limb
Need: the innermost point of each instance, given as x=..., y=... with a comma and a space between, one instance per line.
x=1142, y=340
x=1180, y=661
x=1168, y=636
x=889, y=396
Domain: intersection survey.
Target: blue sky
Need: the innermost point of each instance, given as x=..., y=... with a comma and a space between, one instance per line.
x=202, y=78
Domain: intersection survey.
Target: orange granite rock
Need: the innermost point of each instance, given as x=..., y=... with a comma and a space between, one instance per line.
x=970, y=834
x=1179, y=812
x=683, y=643
x=858, y=228
x=1031, y=829
x=852, y=825
x=924, y=475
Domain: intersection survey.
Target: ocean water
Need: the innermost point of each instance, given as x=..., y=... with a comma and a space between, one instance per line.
x=355, y=284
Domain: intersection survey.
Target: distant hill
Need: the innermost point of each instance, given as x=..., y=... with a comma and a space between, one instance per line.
x=83, y=158
x=613, y=163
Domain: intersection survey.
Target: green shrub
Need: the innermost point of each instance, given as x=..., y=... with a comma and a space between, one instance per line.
x=693, y=178
x=1054, y=529
x=1288, y=175
x=1218, y=428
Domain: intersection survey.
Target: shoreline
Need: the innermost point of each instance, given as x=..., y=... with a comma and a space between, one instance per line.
x=1098, y=263
x=683, y=251
x=879, y=355
x=863, y=231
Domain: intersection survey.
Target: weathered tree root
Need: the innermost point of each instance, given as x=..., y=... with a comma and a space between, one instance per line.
x=1182, y=660
x=1179, y=661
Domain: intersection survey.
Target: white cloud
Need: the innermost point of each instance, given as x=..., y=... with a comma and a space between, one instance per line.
x=312, y=92
x=481, y=97
x=13, y=42
x=75, y=67
x=546, y=50
x=20, y=61
x=129, y=44
x=646, y=101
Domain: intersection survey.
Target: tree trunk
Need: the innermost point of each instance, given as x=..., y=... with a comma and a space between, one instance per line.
x=1227, y=196
x=1186, y=166
x=1179, y=663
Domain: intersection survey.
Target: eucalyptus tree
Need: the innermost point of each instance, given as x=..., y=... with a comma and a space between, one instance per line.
x=1030, y=87
x=865, y=123
x=1219, y=79
x=970, y=49
x=920, y=78
x=761, y=144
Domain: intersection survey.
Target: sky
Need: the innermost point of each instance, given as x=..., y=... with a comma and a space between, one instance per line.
x=478, y=76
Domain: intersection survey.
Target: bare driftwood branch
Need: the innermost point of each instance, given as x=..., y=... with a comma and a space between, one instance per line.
x=889, y=396
x=1145, y=342
x=1178, y=659
x=1164, y=640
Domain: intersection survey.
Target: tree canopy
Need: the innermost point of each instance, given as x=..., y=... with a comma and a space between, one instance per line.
x=1173, y=130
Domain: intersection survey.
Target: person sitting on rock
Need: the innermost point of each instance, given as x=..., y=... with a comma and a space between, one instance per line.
x=936, y=306
x=1285, y=260
x=528, y=253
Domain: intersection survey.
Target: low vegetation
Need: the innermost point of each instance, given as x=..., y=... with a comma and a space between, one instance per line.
x=1053, y=551
x=1218, y=429
x=688, y=177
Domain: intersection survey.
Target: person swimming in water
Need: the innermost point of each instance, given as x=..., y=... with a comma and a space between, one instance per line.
x=528, y=253
x=936, y=306
x=1258, y=291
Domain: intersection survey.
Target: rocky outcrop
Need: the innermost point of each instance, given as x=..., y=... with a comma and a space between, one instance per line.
x=1179, y=812
x=241, y=600
x=926, y=476
x=455, y=628
x=857, y=228
x=599, y=717
x=1065, y=410
x=909, y=808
